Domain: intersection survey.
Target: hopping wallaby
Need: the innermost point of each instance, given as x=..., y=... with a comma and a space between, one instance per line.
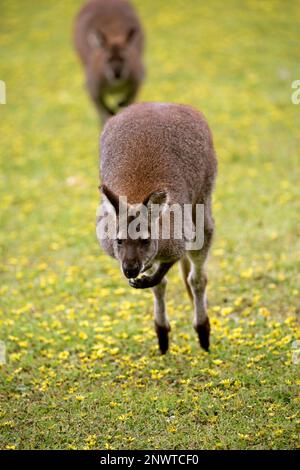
x=159, y=153
x=109, y=40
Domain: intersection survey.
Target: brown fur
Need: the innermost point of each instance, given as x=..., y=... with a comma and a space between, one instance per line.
x=156, y=149
x=109, y=40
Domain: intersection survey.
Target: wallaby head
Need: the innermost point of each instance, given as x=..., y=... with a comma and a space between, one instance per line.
x=113, y=51
x=134, y=245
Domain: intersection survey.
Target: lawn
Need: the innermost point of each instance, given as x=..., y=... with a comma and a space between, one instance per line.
x=82, y=369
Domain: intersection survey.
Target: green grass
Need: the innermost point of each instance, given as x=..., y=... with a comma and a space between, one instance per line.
x=82, y=364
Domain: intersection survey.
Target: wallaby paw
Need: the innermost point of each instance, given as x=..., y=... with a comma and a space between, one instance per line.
x=141, y=283
x=203, y=331
x=122, y=104
x=163, y=337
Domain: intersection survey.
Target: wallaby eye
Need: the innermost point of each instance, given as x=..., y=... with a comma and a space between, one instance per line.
x=145, y=241
x=119, y=241
x=131, y=34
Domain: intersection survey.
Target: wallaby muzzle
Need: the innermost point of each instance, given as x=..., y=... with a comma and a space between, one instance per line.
x=117, y=67
x=131, y=269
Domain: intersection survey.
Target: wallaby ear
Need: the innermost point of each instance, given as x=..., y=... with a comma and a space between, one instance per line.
x=112, y=198
x=157, y=197
x=96, y=39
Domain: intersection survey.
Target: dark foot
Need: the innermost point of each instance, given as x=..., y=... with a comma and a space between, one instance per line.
x=163, y=337
x=203, y=331
x=122, y=104
x=143, y=282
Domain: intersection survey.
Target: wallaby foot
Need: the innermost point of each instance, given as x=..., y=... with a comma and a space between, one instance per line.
x=203, y=331
x=163, y=337
x=145, y=282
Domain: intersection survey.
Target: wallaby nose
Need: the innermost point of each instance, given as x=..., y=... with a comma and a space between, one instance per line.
x=117, y=69
x=131, y=271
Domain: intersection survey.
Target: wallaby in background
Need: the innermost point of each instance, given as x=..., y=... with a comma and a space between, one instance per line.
x=160, y=153
x=109, y=40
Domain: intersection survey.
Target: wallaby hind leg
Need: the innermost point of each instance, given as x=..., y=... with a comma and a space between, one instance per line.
x=104, y=115
x=103, y=110
x=162, y=326
x=198, y=280
x=185, y=267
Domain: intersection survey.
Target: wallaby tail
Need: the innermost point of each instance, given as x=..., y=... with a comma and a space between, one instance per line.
x=185, y=266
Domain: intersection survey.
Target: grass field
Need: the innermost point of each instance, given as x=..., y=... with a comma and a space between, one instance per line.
x=82, y=367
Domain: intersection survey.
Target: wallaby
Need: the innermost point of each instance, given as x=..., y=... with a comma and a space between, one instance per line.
x=109, y=40
x=159, y=153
